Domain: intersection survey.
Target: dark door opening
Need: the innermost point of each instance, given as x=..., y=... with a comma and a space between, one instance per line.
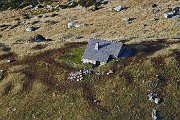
x=97, y=63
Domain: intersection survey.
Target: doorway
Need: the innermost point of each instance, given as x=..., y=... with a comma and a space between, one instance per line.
x=97, y=63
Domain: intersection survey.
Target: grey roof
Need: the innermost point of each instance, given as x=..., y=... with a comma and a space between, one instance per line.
x=106, y=48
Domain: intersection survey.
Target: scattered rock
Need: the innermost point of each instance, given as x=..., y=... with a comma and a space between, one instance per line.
x=173, y=13
x=70, y=25
x=31, y=28
x=76, y=76
x=10, y=61
x=44, y=16
x=128, y=20
x=79, y=37
x=39, y=16
x=110, y=72
x=54, y=14
x=14, y=109
x=37, y=38
x=143, y=25
x=154, y=19
x=157, y=100
x=154, y=97
x=28, y=7
x=88, y=72
x=49, y=7
x=96, y=102
x=77, y=25
x=39, y=6
x=119, y=8
x=154, y=115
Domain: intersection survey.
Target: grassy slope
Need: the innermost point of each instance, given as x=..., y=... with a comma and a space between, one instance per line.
x=123, y=95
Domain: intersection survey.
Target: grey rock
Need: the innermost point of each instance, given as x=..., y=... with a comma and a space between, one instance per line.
x=110, y=72
x=119, y=8
x=44, y=16
x=155, y=10
x=143, y=25
x=150, y=96
x=154, y=97
x=128, y=20
x=157, y=100
x=70, y=25
x=177, y=16
x=10, y=61
x=14, y=109
x=49, y=7
x=173, y=13
x=154, y=115
x=38, y=38
x=154, y=19
x=30, y=29
x=78, y=25
x=168, y=15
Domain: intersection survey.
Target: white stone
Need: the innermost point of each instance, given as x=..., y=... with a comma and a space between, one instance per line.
x=157, y=100
x=119, y=8
x=70, y=25
x=78, y=25
x=30, y=29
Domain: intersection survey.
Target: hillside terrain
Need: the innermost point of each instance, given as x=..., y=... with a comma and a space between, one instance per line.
x=41, y=46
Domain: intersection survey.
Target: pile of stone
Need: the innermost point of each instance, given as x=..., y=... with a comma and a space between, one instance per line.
x=154, y=98
x=78, y=76
x=173, y=13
